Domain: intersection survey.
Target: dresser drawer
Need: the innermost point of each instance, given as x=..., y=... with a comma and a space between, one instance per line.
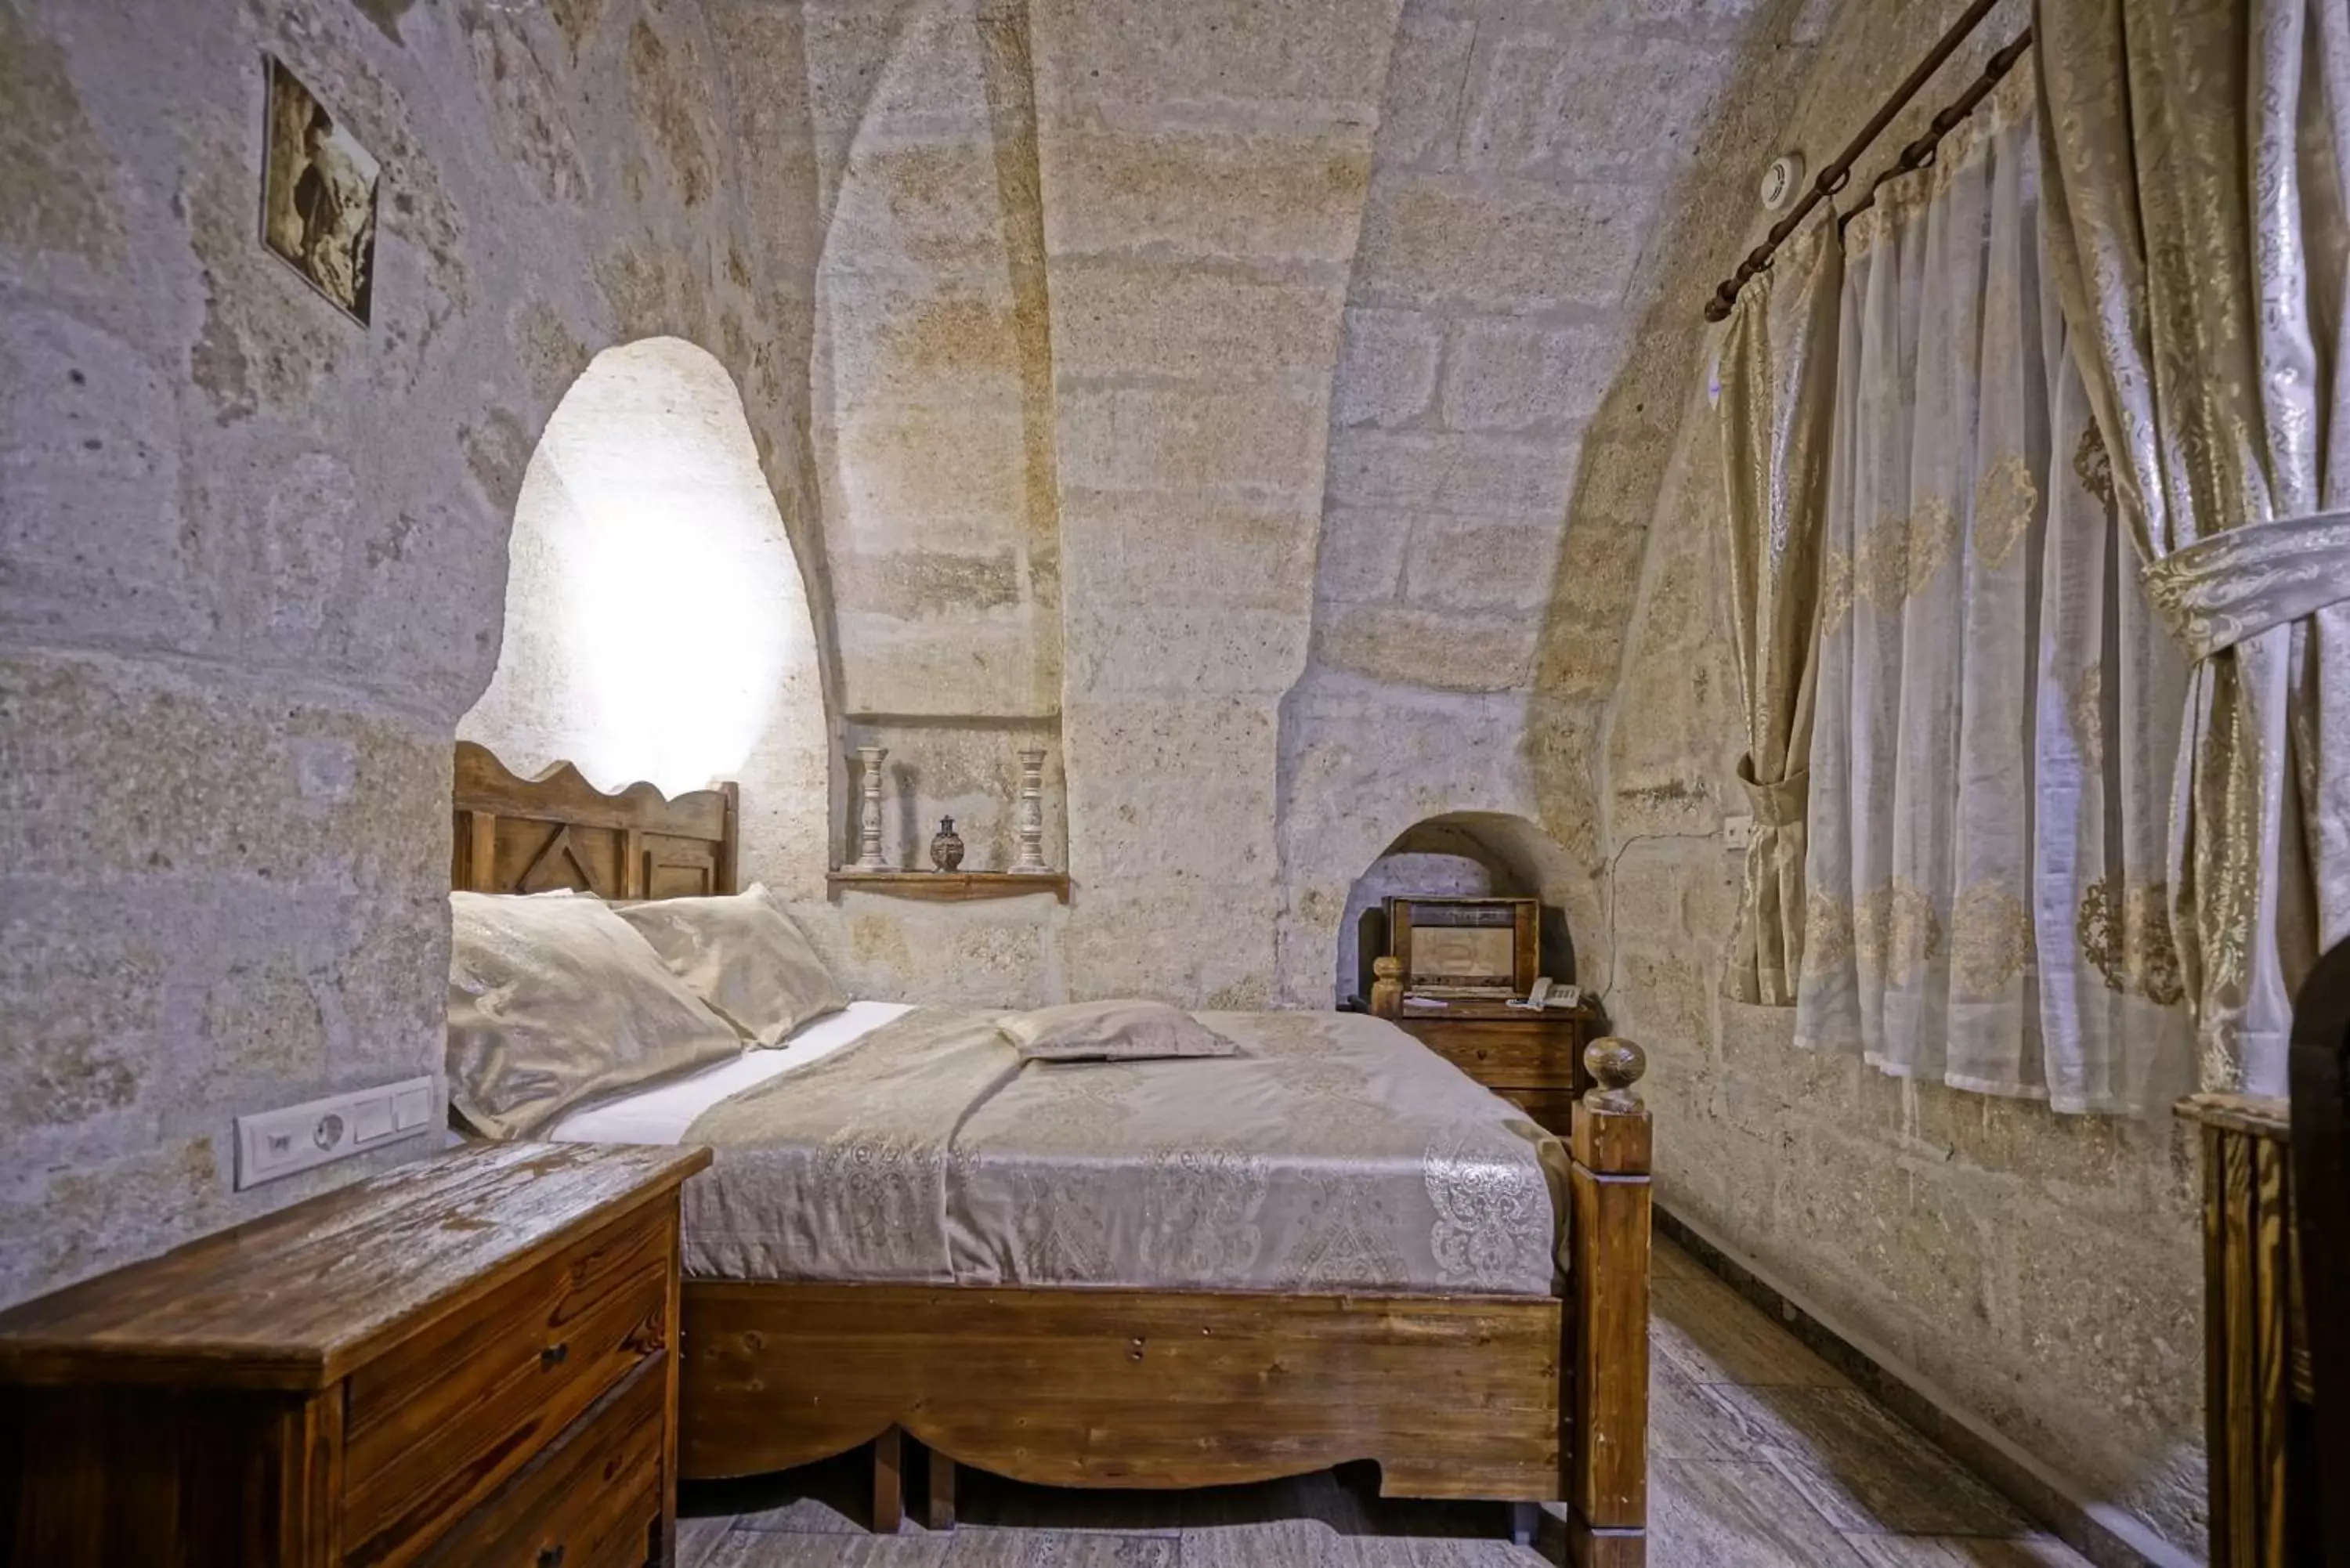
x=589, y=1501
x=1503, y=1056
x=436, y=1425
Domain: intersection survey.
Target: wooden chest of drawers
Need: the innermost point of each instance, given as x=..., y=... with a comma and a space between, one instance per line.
x=1532, y=1059
x=465, y=1360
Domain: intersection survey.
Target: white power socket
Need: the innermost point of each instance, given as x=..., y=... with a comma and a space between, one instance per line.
x=1737, y=832
x=271, y=1144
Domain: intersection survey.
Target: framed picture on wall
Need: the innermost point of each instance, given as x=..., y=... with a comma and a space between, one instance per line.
x=317, y=194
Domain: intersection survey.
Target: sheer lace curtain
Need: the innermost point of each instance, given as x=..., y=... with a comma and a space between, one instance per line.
x=1996, y=711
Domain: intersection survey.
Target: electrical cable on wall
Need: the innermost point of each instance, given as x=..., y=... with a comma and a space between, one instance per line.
x=1609, y=989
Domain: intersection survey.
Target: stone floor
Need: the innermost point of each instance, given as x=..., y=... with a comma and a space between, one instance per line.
x=1761, y=1456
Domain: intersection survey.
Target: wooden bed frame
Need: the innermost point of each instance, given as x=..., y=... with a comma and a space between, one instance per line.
x=1452, y=1395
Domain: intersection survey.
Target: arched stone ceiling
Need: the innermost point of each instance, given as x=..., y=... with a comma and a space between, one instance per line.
x=1554, y=187
x=1276, y=395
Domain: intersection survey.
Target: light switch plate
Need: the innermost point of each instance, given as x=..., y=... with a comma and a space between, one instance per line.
x=271, y=1144
x=1737, y=832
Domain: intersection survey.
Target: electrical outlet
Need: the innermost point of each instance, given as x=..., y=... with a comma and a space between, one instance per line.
x=1737, y=832
x=271, y=1144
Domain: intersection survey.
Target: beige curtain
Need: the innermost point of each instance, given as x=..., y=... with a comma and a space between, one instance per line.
x=1778, y=369
x=2196, y=155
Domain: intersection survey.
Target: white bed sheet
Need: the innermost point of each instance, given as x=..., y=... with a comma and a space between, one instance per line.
x=663, y=1113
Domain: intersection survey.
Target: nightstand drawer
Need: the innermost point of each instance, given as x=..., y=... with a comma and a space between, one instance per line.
x=435, y=1426
x=1554, y=1108
x=1503, y=1056
x=588, y=1501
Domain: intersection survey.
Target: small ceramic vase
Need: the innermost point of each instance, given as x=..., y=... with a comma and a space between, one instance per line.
x=946, y=850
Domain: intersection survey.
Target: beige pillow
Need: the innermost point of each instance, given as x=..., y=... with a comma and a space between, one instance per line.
x=1121, y=1031
x=556, y=1001
x=742, y=956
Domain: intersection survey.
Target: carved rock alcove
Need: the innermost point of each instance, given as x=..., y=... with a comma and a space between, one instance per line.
x=1462, y=854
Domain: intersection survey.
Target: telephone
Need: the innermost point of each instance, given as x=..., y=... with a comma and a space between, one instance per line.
x=1547, y=993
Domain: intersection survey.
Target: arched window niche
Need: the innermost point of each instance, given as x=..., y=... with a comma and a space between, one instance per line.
x=656, y=622
x=1457, y=855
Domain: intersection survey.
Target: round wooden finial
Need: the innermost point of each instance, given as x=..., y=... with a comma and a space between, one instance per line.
x=1615, y=1065
x=1387, y=967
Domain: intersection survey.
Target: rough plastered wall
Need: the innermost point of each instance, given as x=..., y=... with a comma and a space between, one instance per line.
x=252, y=556
x=1081, y=298
x=1204, y=168
x=933, y=414
x=2037, y=1275
x=1498, y=422
x=933, y=399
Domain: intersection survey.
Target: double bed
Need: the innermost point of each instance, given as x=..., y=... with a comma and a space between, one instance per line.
x=1329, y=1246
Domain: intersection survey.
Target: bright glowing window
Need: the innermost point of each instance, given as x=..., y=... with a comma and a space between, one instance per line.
x=657, y=623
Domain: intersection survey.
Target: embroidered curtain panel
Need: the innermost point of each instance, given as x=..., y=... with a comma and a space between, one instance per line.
x=1996, y=710
x=2197, y=158
x=1778, y=381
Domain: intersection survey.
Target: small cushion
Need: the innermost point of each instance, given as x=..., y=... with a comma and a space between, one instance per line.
x=743, y=957
x=1122, y=1031
x=552, y=1002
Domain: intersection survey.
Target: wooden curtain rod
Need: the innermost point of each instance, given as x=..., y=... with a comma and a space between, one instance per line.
x=1837, y=175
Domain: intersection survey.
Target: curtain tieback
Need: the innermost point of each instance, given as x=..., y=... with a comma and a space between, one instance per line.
x=1779, y=804
x=2235, y=585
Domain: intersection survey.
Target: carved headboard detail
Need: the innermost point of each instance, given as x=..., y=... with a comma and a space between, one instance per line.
x=515, y=835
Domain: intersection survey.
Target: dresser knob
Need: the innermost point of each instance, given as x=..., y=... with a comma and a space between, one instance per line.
x=551, y=1556
x=555, y=1355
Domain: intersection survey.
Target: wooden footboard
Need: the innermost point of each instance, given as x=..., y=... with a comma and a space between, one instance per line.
x=1453, y=1396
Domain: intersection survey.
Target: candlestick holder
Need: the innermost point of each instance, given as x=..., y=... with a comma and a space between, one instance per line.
x=868, y=819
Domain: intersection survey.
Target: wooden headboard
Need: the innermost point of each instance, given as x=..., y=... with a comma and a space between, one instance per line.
x=531, y=835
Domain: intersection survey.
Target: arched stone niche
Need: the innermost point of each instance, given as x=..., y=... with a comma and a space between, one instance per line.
x=657, y=621
x=1461, y=854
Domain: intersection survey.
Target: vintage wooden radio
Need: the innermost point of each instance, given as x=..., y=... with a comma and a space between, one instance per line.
x=1485, y=950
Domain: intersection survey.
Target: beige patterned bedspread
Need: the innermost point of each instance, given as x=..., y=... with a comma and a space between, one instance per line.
x=1334, y=1153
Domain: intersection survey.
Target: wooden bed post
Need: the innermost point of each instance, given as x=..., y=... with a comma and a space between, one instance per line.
x=1604, y=1405
x=1387, y=987
x=481, y=853
x=730, y=848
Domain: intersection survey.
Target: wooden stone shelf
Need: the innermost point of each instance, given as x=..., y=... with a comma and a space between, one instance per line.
x=950, y=887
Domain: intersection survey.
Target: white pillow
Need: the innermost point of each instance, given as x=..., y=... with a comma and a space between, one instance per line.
x=741, y=956
x=552, y=1002
x=1124, y=1031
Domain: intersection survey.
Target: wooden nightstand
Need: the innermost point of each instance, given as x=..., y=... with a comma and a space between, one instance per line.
x=466, y=1360
x=1533, y=1059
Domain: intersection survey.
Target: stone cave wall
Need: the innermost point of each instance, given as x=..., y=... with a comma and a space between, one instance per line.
x=254, y=554
x=2037, y=1275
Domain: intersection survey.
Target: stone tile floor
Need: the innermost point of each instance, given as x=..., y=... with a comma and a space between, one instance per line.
x=1761, y=1455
